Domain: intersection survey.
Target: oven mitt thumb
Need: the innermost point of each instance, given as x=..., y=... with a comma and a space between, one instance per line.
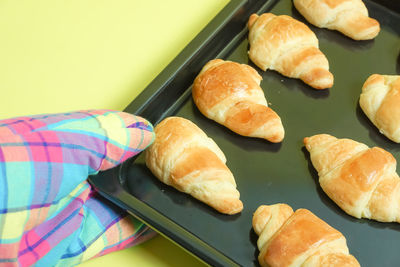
x=49, y=214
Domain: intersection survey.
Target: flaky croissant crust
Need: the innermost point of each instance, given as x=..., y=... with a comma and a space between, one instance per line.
x=380, y=101
x=230, y=94
x=184, y=157
x=350, y=17
x=300, y=238
x=360, y=180
x=288, y=46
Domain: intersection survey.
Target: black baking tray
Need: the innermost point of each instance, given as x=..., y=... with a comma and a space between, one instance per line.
x=265, y=173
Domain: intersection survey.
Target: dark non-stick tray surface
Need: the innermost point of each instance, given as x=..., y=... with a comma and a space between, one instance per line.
x=265, y=173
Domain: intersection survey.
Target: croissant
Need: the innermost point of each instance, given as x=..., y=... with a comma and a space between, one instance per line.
x=288, y=46
x=183, y=157
x=350, y=17
x=300, y=238
x=360, y=180
x=380, y=101
x=230, y=94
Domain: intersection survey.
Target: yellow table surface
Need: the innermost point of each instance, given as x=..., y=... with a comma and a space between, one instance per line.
x=61, y=56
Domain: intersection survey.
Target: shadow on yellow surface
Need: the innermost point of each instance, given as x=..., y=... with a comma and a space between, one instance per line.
x=156, y=252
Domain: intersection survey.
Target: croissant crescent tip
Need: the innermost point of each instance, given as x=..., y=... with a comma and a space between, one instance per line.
x=237, y=207
x=305, y=140
x=319, y=79
x=277, y=138
x=252, y=19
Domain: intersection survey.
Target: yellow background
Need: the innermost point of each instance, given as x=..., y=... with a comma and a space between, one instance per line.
x=58, y=56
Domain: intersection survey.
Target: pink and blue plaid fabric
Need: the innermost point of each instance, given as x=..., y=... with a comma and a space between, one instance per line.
x=49, y=214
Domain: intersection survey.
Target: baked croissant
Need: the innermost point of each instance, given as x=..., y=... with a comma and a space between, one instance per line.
x=230, y=94
x=350, y=17
x=288, y=46
x=380, y=101
x=184, y=157
x=360, y=180
x=300, y=238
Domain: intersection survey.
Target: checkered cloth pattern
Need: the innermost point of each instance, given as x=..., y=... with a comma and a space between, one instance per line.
x=49, y=214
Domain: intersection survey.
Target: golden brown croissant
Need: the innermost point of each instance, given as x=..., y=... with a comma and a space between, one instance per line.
x=350, y=17
x=360, y=180
x=184, y=157
x=380, y=101
x=300, y=238
x=288, y=46
x=230, y=94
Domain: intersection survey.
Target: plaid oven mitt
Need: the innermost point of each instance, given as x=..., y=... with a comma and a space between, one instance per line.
x=49, y=214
